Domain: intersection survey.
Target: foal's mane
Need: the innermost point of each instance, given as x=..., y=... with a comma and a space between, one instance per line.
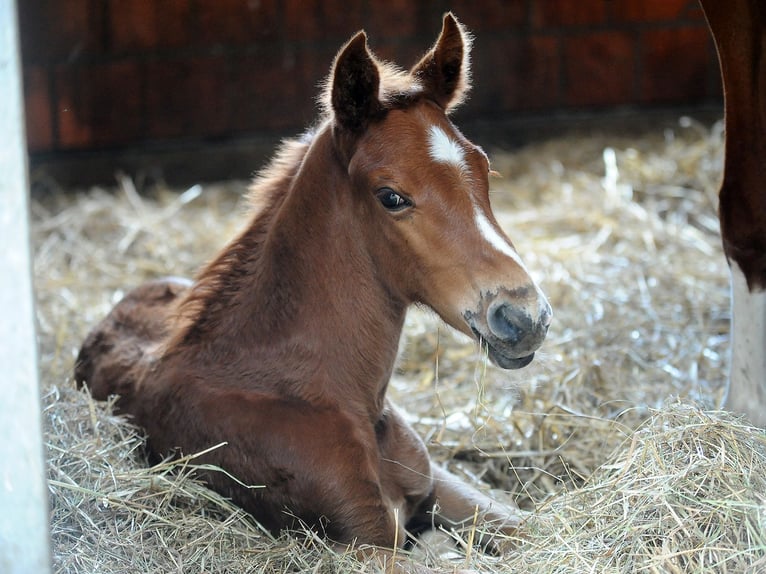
x=215, y=285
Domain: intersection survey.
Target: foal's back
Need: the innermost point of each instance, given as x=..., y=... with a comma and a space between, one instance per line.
x=118, y=352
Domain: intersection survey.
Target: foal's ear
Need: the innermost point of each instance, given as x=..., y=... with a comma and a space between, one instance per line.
x=355, y=84
x=445, y=71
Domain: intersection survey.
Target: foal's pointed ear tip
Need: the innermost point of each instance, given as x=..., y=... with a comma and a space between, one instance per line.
x=358, y=40
x=450, y=22
x=355, y=47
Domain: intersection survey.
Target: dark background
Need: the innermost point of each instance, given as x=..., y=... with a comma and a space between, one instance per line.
x=204, y=88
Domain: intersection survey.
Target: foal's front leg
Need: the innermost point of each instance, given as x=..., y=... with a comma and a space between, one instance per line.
x=410, y=471
x=458, y=504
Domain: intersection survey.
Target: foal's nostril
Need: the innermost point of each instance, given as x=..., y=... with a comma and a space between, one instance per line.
x=546, y=315
x=508, y=323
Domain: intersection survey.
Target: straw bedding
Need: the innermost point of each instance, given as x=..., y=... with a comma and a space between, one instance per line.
x=610, y=441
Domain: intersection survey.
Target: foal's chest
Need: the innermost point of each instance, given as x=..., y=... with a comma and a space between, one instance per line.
x=405, y=467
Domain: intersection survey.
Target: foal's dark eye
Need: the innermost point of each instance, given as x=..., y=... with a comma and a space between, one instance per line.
x=391, y=200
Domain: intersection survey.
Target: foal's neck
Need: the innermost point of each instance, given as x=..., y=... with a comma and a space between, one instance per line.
x=302, y=295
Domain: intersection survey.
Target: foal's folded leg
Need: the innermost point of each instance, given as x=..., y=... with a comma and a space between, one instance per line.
x=460, y=505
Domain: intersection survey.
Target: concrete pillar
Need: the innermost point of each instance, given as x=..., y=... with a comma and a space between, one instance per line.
x=24, y=521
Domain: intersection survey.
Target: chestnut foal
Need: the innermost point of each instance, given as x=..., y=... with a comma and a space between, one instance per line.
x=283, y=346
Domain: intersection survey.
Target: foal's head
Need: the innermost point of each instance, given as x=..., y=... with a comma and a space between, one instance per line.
x=422, y=191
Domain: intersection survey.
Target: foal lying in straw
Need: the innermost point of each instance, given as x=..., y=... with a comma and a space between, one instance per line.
x=283, y=346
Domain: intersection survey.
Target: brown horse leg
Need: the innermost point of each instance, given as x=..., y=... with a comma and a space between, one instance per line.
x=116, y=352
x=311, y=461
x=409, y=472
x=458, y=504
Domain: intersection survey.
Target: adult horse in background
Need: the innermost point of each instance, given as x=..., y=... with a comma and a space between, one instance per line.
x=283, y=346
x=739, y=31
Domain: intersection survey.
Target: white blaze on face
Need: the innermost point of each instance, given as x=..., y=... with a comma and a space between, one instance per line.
x=444, y=149
x=748, y=344
x=493, y=237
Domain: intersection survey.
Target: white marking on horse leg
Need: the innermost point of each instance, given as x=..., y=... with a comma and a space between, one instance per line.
x=444, y=149
x=747, y=380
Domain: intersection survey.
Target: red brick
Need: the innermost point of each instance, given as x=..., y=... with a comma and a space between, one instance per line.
x=53, y=30
x=329, y=20
x=148, y=24
x=676, y=64
x=599, y=69
x=397, y=19
x=261, y=90
x=276, y=89
x=186, y=97
x=514, y=73
x=657, y=10
x=537, y=73
x=99, y=104
x=37, y=108
x=314, y=65
x=238, y=22
x=490, y=15
x=566, y=13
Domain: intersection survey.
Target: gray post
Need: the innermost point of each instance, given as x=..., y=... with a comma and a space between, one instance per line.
x=24, y=530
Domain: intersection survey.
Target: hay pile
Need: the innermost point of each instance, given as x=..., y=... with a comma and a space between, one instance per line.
x=617, y=472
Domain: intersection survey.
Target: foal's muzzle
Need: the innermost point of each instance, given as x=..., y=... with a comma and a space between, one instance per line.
x=512, y=325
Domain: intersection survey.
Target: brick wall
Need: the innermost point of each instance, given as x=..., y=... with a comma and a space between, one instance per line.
x=111, y=74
